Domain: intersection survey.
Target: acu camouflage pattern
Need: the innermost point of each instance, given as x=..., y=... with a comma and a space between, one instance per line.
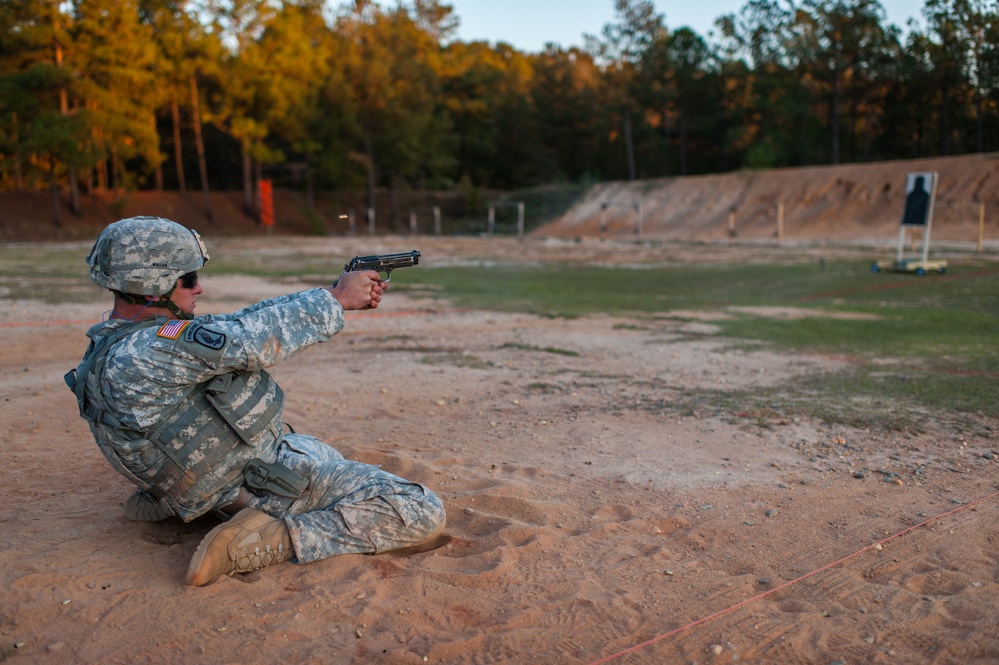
x=148, y=379
x=145, y=255
x=201, y=454
x=350, y=507
x=207, y=441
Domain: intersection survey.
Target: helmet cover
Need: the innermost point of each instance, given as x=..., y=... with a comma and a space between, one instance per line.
x=145, y=255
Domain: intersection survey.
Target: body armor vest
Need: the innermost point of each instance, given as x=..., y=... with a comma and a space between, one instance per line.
x=203, y=444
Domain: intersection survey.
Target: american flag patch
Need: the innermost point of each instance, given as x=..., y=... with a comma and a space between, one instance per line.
x=172, y=329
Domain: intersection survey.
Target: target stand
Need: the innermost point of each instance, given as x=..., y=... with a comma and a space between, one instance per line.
x=920, y=193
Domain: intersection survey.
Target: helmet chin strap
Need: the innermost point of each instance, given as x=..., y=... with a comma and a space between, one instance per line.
x=171, y=306
x=164, y=302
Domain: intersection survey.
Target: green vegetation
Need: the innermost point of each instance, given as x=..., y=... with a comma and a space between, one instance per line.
x=930, y=343
x=48, y=273
x=466, y=361
x=547, y=349
x=564, y=291
x=110, y=96
x=41, y=261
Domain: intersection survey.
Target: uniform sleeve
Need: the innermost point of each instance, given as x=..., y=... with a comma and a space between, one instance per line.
x=265, y=334
x=151, y=371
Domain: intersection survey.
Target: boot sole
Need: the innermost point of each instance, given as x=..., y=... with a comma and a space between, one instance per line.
x=138, y=510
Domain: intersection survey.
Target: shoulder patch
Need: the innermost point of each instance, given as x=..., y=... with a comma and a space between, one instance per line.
x=172, y=329
x=205, y=337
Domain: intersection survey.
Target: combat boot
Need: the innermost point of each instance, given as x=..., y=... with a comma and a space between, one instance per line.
x=143, y=507
x=251, y=540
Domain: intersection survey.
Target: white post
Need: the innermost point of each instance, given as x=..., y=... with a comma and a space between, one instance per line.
x=929, y=220
x=412, y=222
x=351, y=222
x=780, y=224
x=492, y=220
x=520, y=220
x=437, y=220
x=981, y=226
x=371, y=221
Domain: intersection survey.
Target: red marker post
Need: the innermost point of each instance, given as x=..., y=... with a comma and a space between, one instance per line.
x=266, y=205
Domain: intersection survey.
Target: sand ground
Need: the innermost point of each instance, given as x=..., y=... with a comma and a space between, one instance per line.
x=590, y=520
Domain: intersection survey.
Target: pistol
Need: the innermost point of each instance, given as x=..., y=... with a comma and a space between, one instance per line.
x=385, y=263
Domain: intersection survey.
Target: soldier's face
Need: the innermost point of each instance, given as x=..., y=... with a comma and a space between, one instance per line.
x=186, y=298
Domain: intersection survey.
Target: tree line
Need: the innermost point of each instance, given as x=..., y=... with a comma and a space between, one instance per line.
x=118, y=95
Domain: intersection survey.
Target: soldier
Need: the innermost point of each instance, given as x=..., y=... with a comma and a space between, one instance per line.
x=183, y=407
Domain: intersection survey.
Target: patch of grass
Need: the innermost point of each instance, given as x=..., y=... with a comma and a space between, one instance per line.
x=931, y=391
x=462, y=360
x=859, y=396
x=547, y=349
x=56, y=261
x=545, y=388
x=564, y=290
x=397, y=338
x=577, y=290
x=53, y=291
x=927, y=343
x=948, y=338
x=938, y=359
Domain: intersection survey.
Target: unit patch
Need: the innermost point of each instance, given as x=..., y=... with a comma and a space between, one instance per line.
x=172, y=329
x=205, y=337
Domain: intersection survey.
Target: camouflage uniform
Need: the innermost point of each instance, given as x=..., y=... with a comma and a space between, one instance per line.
x=348, y=507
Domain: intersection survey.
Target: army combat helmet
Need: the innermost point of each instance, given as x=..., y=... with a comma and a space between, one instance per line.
x=145, y=256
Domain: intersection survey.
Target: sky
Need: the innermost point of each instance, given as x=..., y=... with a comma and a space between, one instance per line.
x=528, y=24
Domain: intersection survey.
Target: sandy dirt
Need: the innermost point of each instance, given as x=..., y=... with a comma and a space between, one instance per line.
x=591, y=521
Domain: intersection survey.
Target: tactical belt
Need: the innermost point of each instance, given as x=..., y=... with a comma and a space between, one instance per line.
x=276, y=478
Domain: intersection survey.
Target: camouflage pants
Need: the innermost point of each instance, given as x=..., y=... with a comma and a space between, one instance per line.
x=350, y=507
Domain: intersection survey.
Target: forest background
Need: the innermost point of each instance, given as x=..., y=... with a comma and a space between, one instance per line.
x=107, y=97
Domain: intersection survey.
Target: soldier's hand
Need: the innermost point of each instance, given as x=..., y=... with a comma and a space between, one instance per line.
x=359, y=289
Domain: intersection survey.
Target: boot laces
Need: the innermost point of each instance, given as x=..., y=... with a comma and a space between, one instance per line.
x=247, y=561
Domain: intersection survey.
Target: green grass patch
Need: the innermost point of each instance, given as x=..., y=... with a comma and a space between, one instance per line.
x=546, y=349
x=913, y=343
x=56, y=261
x=54, y=273
x=462, y=360
x=574, y=291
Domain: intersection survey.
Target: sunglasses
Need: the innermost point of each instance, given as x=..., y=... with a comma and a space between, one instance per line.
x=189, y=280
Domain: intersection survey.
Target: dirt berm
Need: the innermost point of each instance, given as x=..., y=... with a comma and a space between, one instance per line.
x=853, y=203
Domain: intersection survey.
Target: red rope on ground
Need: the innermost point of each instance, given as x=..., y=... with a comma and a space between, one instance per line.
x=785, y=585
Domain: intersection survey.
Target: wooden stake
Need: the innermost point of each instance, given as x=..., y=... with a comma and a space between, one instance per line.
x=981, y=226
x=780, y=223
